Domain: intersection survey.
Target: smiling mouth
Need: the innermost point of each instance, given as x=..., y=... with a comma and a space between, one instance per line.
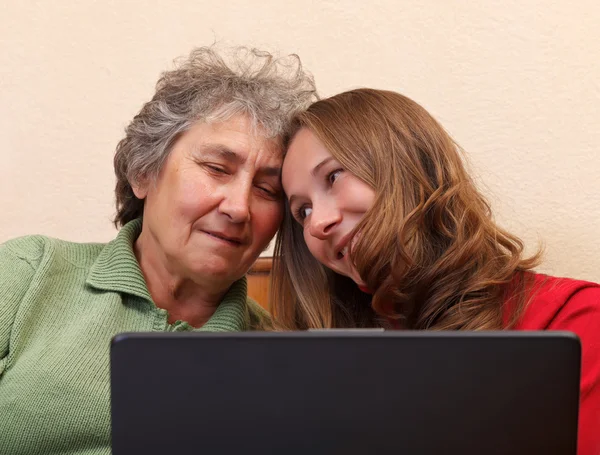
x=226, y=239
x=342, y=253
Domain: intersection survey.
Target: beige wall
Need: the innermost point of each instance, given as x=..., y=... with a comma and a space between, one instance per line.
x=516, y=82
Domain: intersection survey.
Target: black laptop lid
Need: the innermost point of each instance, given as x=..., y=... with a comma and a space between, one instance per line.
x=346, y=393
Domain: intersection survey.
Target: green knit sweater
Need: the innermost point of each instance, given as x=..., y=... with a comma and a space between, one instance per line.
x=60, y=305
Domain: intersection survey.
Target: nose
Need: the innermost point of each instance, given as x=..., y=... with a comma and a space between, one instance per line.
x=236, y=202
x=323, y=221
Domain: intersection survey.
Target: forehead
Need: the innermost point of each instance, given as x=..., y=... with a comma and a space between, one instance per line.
x=304, y=153
x=235, y=136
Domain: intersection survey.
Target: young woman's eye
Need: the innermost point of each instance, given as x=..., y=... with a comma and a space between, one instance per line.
x=302, y=212
x=333, y=175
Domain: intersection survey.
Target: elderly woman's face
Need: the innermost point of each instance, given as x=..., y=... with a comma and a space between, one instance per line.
x=217, y=201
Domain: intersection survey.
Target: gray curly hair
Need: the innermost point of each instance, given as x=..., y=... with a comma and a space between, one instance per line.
x=204, y=87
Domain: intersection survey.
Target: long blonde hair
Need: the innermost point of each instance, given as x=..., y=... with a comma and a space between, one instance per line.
x=428, y=247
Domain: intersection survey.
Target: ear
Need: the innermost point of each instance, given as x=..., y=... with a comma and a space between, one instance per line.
x=140, y=188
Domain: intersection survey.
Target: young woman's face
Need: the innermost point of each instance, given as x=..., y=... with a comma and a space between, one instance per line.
x=326, y=200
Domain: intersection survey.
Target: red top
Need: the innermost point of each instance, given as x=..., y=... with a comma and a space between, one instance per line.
x=572, y=305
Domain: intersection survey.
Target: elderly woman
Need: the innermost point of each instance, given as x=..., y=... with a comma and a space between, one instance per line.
x=198, y=198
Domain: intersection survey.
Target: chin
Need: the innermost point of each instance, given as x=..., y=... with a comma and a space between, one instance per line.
x=346, y=275
x=222, y=277
x=357, y=280
x=219, y=270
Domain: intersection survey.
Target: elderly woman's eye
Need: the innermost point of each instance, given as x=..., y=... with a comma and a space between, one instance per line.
x=268, y=191
x=216, y=169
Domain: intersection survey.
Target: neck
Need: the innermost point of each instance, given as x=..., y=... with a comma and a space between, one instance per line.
x=182, y=297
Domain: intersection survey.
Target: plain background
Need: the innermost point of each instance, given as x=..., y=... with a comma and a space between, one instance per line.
x=515, y=82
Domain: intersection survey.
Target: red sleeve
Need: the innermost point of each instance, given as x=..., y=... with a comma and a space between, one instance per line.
x=581, y=315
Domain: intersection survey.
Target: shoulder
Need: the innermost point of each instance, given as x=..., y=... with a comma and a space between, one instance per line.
x=20, y=261
x=574, y=306
x=559, y=301
x=35, y=250
x=29, y=249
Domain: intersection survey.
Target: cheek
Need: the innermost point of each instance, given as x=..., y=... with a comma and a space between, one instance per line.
x=363, y=195
x=266, y=221
x=194, y=197
x=315, y=246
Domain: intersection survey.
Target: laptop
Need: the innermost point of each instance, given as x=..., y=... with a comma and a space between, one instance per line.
x=345, y=392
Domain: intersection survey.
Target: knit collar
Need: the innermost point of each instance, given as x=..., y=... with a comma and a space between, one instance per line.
x=116, y=269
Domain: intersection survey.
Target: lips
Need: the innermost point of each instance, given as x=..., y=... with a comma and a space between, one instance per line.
x=236, y=240
x=343, y=266
x=342, y=246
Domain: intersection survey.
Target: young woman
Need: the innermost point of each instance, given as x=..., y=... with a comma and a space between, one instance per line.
x=385, y=227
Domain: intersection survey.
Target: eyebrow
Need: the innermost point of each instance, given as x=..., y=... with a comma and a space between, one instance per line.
x=315, y=170
x=222, y=151
x=227, y=154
